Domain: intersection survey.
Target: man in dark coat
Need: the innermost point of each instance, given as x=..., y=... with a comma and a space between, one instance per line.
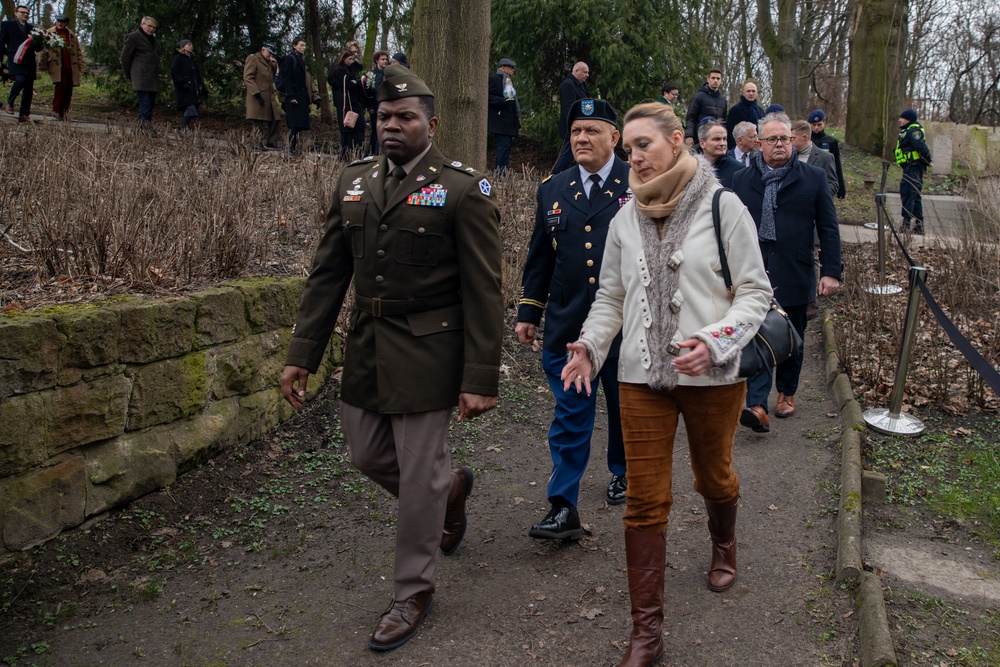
x=13, y=34
x=504, y=117
x=142, y=66
x=747, y=110
x=188, y=87
x=812, y=154
x=573, y=88
x=707, y=102
x=745, y=134
x=712, y=139
x=561, y=274
x=790, y=203
x=817, y=122
x=420, y=236
x=914, y=157
x=297, y=85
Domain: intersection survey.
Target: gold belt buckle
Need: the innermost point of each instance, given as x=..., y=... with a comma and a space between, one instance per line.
x=376, y=307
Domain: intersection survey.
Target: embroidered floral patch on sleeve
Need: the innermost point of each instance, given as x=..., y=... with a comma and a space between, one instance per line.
x=727, y=337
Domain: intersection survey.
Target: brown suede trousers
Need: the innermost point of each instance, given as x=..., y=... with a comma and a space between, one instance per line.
x=649, y=424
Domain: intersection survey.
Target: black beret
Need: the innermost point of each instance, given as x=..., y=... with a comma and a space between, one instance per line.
x=401, y=82
x=590, y=109
x=816, y=116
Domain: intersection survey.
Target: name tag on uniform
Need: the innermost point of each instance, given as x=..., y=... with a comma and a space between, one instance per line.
x=428, y=197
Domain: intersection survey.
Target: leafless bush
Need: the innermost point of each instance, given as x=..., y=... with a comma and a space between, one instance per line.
x=964, y=278
x=516, y=196
x=85, y=215
x=118, y=209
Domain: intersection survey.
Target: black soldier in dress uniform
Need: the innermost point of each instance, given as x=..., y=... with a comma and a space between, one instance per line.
x=914, y=157
x=420, y=236
x=561, y=278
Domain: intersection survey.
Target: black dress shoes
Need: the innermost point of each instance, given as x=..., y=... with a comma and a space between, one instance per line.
x=454, y=519
x=400, y=621
x=616, y=490
x=561, y=523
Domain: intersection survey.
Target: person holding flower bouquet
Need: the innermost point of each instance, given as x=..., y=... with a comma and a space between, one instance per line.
x=20, y=44
x=63, y=59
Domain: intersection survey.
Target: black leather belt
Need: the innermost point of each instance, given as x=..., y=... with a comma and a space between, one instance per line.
x=378, y=307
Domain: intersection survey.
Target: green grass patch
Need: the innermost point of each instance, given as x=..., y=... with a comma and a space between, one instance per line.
x=954, y=472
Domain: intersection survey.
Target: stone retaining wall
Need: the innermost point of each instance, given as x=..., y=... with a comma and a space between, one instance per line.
x=100, y=404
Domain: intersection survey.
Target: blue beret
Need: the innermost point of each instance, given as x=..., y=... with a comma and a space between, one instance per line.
x=816, y=116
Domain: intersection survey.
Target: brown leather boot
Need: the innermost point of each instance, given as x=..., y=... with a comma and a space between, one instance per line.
x=722, y=528
x=645, y=554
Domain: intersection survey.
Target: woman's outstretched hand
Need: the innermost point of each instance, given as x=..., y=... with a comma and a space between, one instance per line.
x=578, y=369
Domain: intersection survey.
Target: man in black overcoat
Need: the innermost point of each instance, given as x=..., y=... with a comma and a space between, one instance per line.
x=573, y=88
x=13, y=35
x=790, y=203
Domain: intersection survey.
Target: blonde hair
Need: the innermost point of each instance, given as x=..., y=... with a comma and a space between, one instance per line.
x=662, y=115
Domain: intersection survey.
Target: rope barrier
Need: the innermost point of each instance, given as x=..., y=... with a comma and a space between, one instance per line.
x=891, y=421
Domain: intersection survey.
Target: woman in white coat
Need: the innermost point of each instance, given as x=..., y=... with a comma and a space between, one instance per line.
x=683, y=333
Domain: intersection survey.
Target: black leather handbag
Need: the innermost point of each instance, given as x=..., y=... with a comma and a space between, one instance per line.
x=776, y=340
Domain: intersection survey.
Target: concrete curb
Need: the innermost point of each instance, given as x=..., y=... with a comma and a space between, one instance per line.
x=873, y=625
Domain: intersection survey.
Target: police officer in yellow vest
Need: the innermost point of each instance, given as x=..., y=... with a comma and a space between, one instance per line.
x=914, y=157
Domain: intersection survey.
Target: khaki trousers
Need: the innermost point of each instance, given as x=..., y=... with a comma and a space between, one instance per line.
x=649, y=424
x=407, y=455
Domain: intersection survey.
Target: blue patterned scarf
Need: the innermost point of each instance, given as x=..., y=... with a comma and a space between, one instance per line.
x=772, y=179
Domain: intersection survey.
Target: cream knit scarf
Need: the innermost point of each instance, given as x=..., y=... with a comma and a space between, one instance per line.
x=658, y=198
x=660, y=242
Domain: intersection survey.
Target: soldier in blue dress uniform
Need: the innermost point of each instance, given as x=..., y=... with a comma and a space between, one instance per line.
x=914, y=157
x=573, y=213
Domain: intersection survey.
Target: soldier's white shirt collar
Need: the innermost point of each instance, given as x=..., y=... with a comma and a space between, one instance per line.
x=604, y=172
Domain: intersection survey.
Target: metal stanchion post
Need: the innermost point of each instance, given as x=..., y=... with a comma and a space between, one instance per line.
x=882, y=287
x=892, y=421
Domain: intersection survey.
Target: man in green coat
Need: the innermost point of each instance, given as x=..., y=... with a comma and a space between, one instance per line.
x=420, y=236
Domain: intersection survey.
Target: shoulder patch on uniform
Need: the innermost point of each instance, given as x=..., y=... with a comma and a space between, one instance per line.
x=918, y=135
x=463, y=169
x=484, y=187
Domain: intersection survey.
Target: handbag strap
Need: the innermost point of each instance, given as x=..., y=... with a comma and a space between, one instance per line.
x=346, y=101
x=717, y=223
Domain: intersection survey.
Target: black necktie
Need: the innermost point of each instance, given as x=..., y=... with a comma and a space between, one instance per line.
x=595, y=187
x=395, y=178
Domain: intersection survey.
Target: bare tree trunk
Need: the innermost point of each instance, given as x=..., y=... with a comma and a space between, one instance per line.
x=875, y=90
x=313, y=29
x=70, y=11
x=459, y=84
x=8, y=9
x=371, y=30
x=783, y=46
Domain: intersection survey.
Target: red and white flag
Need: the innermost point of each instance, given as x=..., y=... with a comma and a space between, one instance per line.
x=22, y=51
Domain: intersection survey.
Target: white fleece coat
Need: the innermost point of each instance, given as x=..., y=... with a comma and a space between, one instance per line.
x=705, y=310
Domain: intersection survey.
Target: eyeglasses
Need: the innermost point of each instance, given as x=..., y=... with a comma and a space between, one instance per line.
x=776, y=140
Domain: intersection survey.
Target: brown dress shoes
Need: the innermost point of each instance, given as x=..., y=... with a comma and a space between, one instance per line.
x=454, y=518
x=755, y=418
x=400, y=621
x=785, y=406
